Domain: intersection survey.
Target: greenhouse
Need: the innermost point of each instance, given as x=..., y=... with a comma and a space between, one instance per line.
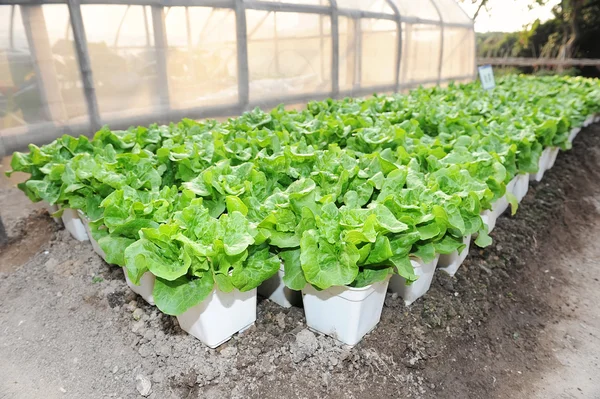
x=239, y=199
x=71, y=67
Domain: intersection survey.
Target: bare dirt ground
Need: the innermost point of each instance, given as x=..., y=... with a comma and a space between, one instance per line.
x=519, y=320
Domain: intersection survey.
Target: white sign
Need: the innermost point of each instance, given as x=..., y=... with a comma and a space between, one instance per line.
x=486, y=75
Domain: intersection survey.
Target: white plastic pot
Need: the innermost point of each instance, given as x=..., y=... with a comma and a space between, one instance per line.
x=588, y=121
x=95, y=246
x=450, y=263
x=510, y=187
x=596, y=118
x=489, y=218
x=411, y=293
x=574, y=132
x=521, y=186
x=500, y=206
x=552, y=157
x=344, y=313
x=145, y=288
x=542, y=165
x=53, y=209
x=219, y=316
x=275, y=290
x=74, y=225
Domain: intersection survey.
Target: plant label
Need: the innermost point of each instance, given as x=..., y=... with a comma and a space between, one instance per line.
x=486, y=75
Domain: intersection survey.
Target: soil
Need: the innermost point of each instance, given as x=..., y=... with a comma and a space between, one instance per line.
x=518, y=320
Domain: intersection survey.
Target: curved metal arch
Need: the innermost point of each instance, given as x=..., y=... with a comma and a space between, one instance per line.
x=121, y=26
x=396, y=10
x=242, y=54
x=442, y=24
x=11, y=33
x=146, y=26
x=85, y=65
x=335, y=49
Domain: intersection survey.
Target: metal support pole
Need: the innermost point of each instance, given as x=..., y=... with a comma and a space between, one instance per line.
x=146, y=26
x=43, y=63
x=437, y=9
x=85, y=66
x=190, y=43
x=321, y=46
x=399, y=49
x=276, y=47
x=357, y=54
x=335, y=50
x=11, y=29
x=161, y=51
x=242, y=54
x=404, y=71
x=116, y=42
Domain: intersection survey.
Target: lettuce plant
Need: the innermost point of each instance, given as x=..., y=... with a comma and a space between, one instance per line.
x=343, y=192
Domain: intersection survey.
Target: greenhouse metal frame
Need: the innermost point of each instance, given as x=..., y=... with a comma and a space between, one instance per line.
x=17, y=137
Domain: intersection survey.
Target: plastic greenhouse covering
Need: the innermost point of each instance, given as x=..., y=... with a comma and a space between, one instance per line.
x=71, y=66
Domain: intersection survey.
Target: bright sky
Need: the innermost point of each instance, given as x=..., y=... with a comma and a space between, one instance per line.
x=507, y=15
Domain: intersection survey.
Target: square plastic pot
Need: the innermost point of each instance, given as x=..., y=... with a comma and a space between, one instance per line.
x=344, y=313
x=518, y=186
x=74, y=225
x=552, y=157
x=500, y=206
x=510, y=187
x=450, y=263
x=219, y=316
x=542, y=165
x=95, y=246
x=145, y=288
x=416, y=290
x=574, y=132
x=275, y=290
x=489, y=218
x=521, y=186
x=53, y=209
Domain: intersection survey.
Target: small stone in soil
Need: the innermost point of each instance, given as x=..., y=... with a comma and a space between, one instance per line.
x=230, y=351
x=306, y=344
x=143, y=385
x=138, y=313
x=158, y=376
x=145, y=350
x=280, y=319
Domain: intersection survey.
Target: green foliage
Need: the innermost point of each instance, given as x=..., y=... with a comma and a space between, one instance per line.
x=343, y=192
x=573, y=32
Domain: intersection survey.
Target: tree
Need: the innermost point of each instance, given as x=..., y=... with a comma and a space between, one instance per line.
x=571, y=19
x=484, y=4
x=576, y=19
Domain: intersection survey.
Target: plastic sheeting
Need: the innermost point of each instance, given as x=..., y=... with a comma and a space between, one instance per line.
x=288, y=54
x=138, y=64
x=202, y=58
